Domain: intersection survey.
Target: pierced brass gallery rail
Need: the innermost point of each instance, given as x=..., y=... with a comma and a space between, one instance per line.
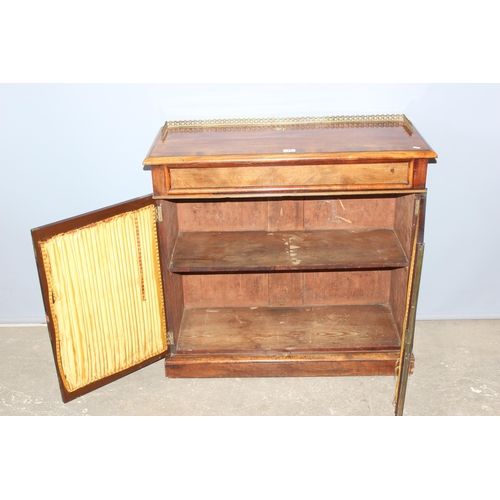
x=287, y=123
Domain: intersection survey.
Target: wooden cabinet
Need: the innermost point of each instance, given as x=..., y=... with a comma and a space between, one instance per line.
x=269, y=248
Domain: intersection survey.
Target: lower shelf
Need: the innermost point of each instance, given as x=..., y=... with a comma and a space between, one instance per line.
x=285, y=365
x=285, y=341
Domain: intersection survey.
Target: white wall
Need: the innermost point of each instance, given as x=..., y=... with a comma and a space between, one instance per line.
x=68, y=149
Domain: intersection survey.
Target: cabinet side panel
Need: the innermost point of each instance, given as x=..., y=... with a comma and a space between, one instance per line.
x=349, y=213
x=168, y=230
x=399, y=284
x=349, y=288
x=404, y=226
x=404, y=220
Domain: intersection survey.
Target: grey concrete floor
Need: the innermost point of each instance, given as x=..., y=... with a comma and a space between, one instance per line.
x=457, y=372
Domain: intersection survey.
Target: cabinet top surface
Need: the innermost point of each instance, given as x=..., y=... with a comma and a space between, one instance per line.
x=287, y=139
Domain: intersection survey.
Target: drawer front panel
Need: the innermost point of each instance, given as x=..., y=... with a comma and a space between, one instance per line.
x=296, y=178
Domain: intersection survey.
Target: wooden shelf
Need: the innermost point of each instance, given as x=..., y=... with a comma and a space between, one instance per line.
x=285, y=341
x=280, y=329
x=205, y=252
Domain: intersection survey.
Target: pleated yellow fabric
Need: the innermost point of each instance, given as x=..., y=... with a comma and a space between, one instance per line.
x=106, y=296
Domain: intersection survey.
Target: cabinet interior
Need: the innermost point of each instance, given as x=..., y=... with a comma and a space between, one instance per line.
x=287, y=275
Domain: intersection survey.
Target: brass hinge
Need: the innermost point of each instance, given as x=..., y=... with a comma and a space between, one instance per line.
x=170, y=338
x=158, y=214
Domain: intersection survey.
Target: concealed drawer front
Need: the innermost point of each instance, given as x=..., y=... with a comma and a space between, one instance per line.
x=298, y=177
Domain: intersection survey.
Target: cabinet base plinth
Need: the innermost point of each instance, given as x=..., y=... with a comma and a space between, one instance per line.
x=293, y=365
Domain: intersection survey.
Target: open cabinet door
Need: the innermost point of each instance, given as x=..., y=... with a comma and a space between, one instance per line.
x=408, y=331
x=102, y=289
x=408, y=335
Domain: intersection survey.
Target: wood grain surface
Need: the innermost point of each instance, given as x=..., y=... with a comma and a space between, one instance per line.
x=241, y=329
x=298, y=177
x=280, y=146
x=286, y=250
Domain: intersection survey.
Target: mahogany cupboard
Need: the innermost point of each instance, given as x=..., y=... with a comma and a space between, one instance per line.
x=288, y=247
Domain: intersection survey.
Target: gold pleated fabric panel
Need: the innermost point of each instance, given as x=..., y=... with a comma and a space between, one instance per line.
x=106, y=296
